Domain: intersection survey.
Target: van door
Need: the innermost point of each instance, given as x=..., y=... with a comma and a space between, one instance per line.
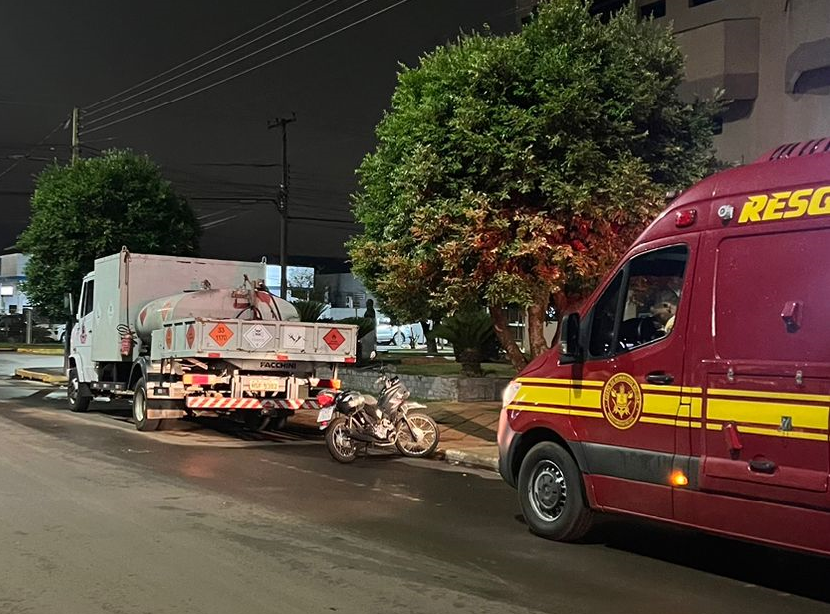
x=82, y=332
x=626, y=402
x=766, y=408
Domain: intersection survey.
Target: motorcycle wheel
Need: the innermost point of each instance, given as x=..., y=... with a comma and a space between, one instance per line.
x=340, y=445
x=408, y=444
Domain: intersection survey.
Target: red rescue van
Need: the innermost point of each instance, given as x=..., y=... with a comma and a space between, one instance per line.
x=694, y=385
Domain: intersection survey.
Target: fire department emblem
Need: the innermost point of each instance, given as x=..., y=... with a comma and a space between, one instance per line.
x=622, y=401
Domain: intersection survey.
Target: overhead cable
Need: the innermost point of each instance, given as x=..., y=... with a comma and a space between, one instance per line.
x=203, y=64
x=248, y=70
x=198, y=57
x=32, y=150
x=224, y=66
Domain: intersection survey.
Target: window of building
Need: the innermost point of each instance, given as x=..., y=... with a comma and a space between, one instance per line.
x=653, y=10
x=693, y=3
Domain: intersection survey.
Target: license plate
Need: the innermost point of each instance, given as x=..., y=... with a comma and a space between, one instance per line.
x=325, y=414
x=265, y=385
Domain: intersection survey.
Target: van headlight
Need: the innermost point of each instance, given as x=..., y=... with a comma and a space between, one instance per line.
x=510, y=393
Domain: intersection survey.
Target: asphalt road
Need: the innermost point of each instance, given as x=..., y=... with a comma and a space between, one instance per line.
x=100, y=518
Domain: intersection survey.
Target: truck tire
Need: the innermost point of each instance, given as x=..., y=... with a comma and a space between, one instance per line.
x=254, y=422
x=142, y=423
x=77, y=393
x=552, y=494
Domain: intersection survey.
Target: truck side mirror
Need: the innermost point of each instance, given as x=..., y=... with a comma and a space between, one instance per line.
x=570, y=349
x=68, y=304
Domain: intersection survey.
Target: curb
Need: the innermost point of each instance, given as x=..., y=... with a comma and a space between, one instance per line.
x=481, y=460
x=38, y=376
x=42, y=351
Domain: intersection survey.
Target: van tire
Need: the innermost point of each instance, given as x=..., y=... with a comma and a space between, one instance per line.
x=552, y=494
x=142, y=423
x=77, y=393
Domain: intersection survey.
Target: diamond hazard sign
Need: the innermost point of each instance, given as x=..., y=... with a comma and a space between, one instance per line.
x=190, y=336
x=221, y=334
x=258, y=336
x=334, y=338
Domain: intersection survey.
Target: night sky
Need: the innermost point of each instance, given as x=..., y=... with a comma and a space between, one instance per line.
x=216, y=144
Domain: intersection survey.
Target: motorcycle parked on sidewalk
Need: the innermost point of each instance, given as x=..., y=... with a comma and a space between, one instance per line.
x=384, y=422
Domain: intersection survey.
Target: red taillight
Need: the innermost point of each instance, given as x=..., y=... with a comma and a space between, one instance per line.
x=325, y=399
x=350, y=359
x=214, y=355
x=685, y=218
x=282, y=357
x=329, y=383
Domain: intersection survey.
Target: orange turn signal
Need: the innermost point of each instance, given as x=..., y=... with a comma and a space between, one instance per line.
x=679, y=479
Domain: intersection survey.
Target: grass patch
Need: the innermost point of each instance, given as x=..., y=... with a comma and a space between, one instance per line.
x=452, y=368
x=32, y=346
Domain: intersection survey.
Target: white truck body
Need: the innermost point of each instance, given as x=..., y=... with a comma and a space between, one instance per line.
x=190, y=336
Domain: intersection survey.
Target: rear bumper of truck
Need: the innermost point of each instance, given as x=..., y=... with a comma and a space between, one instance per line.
x=265, y=407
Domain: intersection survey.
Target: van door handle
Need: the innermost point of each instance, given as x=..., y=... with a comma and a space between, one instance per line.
x=762, y=465
x=659, y=378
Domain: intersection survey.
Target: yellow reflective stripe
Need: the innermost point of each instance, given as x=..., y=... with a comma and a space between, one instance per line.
x=652, y=387
x=752, y=430
x=714, y=427
x=587, y=414
x=542, y=410
x=755, y=394
x=565, y=382
x=650, y=420
x=537, y=394
x=690, y=407
x=661, y=404
x=804, y=416
x=586, y=398
x=692, y=390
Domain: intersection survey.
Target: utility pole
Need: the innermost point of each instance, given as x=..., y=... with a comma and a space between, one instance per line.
x=282, y=201
x=76, y=140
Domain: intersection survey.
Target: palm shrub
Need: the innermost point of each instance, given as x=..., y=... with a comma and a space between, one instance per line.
x=471, y=334
x=364, y=325
x=309, y=311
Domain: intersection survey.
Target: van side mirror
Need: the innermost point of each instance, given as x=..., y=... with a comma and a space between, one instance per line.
x=570, y=349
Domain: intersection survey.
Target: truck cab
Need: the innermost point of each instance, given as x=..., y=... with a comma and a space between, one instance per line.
x=693, y=387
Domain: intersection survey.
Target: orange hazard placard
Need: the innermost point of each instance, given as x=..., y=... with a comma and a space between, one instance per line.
x=334, y=339
x=190, y=336
x=168, y=338
x=221, y=334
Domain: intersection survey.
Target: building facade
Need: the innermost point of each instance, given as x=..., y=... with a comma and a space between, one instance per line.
x=12, y=298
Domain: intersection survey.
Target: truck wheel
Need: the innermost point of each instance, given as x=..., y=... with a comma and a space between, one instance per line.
x=552, y=495
x=140, y=408
x=77, y=393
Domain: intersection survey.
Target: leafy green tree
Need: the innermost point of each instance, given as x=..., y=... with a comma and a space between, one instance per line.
x=516, y=169
x=471, y=333
x=92, y=208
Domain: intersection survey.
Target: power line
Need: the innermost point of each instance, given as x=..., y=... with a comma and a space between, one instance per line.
x=32, y=150
x=229, y=64
x=211, y=61
x=246, y=71
x=191, y=60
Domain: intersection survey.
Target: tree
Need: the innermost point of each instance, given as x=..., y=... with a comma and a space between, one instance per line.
x=516, y=169
x=93, y=207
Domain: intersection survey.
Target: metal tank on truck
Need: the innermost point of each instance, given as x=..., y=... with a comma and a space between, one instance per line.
x=198, y=337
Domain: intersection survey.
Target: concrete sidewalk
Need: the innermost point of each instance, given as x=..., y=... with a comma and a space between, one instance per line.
x=468, y=430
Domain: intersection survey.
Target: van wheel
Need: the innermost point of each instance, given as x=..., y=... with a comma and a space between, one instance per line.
x=142, y=423
x=552, y=495
x=77, y=393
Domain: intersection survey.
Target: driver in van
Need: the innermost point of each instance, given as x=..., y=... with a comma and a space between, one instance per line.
x=664, y=309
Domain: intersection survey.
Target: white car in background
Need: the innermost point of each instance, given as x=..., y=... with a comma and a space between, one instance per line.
x=397, y=335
